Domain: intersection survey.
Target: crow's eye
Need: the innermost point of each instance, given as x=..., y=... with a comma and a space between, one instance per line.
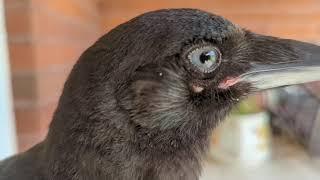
x=206, y=59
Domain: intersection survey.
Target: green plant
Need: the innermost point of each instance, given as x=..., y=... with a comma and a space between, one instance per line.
x=248, y=106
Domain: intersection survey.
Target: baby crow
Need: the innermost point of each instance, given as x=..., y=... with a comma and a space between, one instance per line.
x=141, y=102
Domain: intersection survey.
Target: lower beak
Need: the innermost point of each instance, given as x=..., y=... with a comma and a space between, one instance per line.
x=293, y=62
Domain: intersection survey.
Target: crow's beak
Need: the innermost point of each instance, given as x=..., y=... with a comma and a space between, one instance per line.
x=281, y=62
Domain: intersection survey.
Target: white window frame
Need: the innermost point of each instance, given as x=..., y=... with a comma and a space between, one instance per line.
x=8, y=144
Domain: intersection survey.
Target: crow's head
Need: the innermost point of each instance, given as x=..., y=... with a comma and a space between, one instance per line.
x=180, y=70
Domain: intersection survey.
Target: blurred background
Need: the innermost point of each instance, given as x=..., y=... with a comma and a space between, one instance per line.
x=40, y=40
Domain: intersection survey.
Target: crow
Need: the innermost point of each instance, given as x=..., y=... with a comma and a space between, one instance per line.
x=142, y=101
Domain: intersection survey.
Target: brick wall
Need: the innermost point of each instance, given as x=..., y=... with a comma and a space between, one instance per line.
x=45, y=39
x=298, y=19
x=47, y=36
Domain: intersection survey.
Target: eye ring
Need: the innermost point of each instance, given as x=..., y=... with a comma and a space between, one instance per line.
x=204, y=58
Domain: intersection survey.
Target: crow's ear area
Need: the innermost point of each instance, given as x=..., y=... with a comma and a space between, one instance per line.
x=143, y=87
x=279, y=62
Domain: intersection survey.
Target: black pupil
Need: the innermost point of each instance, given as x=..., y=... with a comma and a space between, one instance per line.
x=205, y=56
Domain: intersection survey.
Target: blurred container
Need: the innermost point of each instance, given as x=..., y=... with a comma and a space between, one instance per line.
x=243, y=138
x=295, y=111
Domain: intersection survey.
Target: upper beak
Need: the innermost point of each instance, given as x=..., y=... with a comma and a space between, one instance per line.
x=282, y=62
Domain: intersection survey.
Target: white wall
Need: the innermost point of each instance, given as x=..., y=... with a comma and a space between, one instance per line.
x=7, y=125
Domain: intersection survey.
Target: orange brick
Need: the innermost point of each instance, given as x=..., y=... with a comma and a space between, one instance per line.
x=48, y=27
x=15, y=3
x=295, y=32
x=24, y=86
x=58, y=53
x=292, y=19
x=27, y=120
x=46, y=115
x=50, y=84
x=21, y=56
x=74, y=10
x=275, y=19
x=27, y=140
x=17, y=20
x=33, y=118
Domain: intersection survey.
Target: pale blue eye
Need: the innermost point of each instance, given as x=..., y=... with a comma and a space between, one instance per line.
x=205, y=59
